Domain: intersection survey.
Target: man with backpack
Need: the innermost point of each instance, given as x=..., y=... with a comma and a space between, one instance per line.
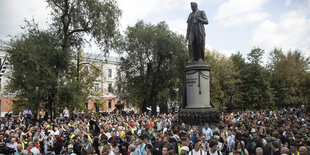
x=197, y=148
x=213, y=149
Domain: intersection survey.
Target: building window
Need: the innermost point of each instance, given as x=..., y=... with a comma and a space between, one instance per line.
x=110, y=104
x=96, y=107
x=109, y=72
x=86, y=105
x=110, y=87
x=96, y=86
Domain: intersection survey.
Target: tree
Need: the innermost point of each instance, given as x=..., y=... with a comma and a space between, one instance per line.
x=32, y=56
x=239, y=91
x=65, y=80
x=152, y=68
x=77, y=84
x=289, y=74
x=258, y=92
x=72, y=20
x=223, y=79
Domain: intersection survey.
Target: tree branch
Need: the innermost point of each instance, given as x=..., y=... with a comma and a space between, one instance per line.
x=78, y=30
x=58, y=5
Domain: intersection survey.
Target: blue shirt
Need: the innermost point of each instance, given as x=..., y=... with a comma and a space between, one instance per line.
x=25, y=112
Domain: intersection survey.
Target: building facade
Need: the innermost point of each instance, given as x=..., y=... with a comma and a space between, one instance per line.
x=106, y=83
x=5, y=98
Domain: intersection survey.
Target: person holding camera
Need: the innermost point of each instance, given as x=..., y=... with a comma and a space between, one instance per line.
x=27, y=115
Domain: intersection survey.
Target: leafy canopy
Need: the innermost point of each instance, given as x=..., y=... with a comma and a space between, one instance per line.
x=152, y=68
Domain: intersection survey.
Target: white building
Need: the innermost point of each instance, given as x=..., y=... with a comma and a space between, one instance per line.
x=106, y=83
x=5, y=99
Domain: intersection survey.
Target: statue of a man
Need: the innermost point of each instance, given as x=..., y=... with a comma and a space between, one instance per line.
x=196, y=33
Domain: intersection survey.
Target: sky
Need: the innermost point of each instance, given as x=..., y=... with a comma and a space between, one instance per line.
x=234, y=25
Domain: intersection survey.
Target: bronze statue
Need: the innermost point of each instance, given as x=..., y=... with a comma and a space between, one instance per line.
x=196, y=33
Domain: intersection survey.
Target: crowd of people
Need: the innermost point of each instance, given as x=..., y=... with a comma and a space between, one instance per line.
x=282, y=132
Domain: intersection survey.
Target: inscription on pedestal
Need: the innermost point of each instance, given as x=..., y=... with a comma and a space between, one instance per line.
x=191, y=81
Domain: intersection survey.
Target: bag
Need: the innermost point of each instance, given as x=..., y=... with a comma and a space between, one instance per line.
x=218, y=152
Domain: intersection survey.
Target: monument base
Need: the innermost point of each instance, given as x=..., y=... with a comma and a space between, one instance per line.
x=198, y=116
x=197, y=108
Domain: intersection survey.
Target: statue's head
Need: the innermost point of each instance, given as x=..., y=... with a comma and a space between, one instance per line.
x=194, y=6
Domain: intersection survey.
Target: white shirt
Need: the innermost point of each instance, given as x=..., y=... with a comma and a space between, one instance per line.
x=108, y=135
x=159, y=125
x=208, y=132
x=8, y=131
x=51, y=132
x=215, y=153
x=158, y=109
x=27, y=112
x=111, y=153
x=13, y=145
x=199, y=152
x=164, y=130
x=66, y=113
x=56, y=132
x=35, y=151
x=230, y=140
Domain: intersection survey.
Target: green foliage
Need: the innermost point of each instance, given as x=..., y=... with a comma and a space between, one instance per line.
x=249, y=83
x=283, y=82
x=152, y=69
x=35, y=76
x=239, y=91
x=77, y=84
x=73, y=19
x=257, y=82
x=224, y=79
x=44, y=71
x=32, y=56
x=290, y=77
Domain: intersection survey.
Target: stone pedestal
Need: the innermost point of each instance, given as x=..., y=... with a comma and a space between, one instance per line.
x=197, y=109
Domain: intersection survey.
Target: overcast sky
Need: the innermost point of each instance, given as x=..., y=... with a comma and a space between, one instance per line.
x=234, y=25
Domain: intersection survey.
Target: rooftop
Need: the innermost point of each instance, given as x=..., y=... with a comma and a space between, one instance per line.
x=101, y=57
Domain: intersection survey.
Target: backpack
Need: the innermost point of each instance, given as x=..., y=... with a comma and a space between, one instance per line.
x=218, y=152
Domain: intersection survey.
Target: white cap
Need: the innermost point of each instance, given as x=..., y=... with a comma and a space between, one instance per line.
x=70, y=146
x=185, y=148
